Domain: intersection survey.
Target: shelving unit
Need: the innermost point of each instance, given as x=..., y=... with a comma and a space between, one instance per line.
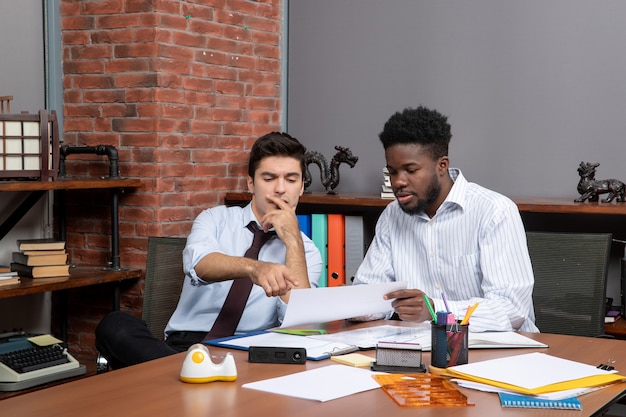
x=82, y=276
x=37, y=189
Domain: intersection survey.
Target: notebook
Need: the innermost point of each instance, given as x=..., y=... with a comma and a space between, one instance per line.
x=508, y=400
x=315, y=349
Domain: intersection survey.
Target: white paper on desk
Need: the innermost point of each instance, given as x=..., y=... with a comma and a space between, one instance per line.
x=321, y=384
x=529, y=371
x=368, y=337
x=420, y=333
x=321, y=305
x=500, y=340
x=555, y=396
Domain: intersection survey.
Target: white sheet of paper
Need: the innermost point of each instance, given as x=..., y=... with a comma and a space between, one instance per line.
x=368, y=337
x=420, y=333
x=499, y=340
x=320, y=305
x=321, y=384
x=558, y=395
x=530, y=371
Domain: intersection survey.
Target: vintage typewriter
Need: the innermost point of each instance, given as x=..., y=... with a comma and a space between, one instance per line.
x=27, y=361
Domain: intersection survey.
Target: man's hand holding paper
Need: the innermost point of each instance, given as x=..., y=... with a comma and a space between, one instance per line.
x=322, y=305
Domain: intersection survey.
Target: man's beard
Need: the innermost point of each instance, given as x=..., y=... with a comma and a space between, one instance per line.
x=432, y=194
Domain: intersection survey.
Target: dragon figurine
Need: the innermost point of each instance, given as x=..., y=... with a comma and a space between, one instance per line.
x=329, y=174
x=589, y=188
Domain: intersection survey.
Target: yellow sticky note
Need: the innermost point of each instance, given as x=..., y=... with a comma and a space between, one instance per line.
x=358, y=360
x=44, y=340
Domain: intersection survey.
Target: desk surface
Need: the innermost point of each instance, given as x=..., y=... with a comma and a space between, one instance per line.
x=79, y=277
x=153, y=388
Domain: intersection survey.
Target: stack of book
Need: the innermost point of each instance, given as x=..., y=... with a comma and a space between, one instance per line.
x=8, y=277
x=387, y=192
x=40, y=258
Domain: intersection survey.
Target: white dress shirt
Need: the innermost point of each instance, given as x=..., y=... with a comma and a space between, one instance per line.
x=223, y=229
x=473, y=250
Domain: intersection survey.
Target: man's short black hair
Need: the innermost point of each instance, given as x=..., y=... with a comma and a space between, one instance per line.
x=422, y=126
x=276, y=144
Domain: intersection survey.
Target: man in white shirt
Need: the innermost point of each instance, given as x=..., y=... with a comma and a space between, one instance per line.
x=451, y=240
x=213, y=260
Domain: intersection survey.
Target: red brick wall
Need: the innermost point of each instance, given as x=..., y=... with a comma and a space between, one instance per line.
x=182, y=89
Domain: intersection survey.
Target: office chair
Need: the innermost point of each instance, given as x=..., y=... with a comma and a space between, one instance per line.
x=162, y=286
x=164, y=281
x=570, y=281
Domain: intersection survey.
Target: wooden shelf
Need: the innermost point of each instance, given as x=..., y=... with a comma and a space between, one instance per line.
x=79, y=277
x=567, y=206
x=354, y=200
x=68, y=184
x=525, y=204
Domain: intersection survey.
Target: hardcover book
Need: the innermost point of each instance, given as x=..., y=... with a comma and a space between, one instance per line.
x=9, y=280
x=40, y=271
x=40, y=244
x=39, y=260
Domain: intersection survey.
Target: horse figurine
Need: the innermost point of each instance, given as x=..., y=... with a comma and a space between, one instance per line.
x=329, y=175
x=589, y=188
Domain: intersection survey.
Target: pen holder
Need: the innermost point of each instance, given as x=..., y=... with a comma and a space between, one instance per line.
x=449, y=344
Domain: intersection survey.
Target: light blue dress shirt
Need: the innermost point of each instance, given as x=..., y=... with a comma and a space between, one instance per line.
x=473, y=249
x=223, y=229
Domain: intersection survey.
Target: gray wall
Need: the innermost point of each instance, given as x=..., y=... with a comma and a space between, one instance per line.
x=531, y=88
x=22, y=75
x=22, y=72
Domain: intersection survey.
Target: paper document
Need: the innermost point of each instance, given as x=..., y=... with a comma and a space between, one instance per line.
x=498, y=340
x=534, y=373
x=321, y=384
x=367, y=338
x=558, y=395
x=321, y=305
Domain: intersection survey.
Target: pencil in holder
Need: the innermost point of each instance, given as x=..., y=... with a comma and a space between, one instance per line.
x=449, y=344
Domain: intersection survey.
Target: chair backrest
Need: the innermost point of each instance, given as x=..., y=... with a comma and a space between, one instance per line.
x=164, y=281
x=570, y=281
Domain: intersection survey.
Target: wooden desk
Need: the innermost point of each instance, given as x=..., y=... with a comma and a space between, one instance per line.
x=153, y=388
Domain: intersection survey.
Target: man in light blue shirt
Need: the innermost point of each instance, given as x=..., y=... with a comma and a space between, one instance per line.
x=445, y=236
x=214, y=258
